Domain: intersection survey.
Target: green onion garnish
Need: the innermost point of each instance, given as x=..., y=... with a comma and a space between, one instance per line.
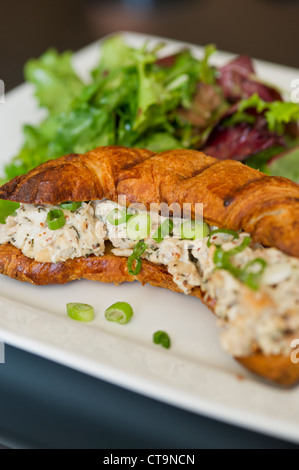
x=55, y=219
x=139, y=226
x=222, y=258
x=70, y=205
x=245, y=275
x=128, y=216
x=138, y=264
x=194, y=230
x=135, y=257
x=252, y=278
x=117, y=217
x=222, y=230
x=80, y=312
x=120, y=312
x=164, y=229
x=239, y=248
x=161, y=337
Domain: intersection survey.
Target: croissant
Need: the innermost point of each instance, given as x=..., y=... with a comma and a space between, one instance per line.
x=234, y=197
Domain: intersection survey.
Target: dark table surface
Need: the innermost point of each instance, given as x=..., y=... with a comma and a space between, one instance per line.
x=43, y=404
x=46, y=405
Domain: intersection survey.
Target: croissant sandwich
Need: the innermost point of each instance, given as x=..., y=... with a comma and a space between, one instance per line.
x=90, y=216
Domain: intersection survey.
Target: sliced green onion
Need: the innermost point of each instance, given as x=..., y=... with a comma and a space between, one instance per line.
x=161, y=337
x=80, y=312
x=70, y=205
x=133, y=271
x=55, y=219
x=135, y=258
x=120, y=312
x=222, y=261
x=252, y=278
x=257, y=261
x=117, y=217
x=222, y=230
x=139, y=249
x=194, y=230
x=139, y=226
x=164, y=229
x=239, y=248
x=245, y=275
x=222, y=258
x=128, y=216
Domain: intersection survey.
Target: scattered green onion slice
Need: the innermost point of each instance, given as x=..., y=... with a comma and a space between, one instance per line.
x=252, y=278
x=139, y=226
x=120, y=312
x=258, y=261
x=80, y=312
x=245, y=275
x=55, y=219
x=133, y=271
x=164, y=229
x=161, y=337
x=194, y=230
x=128, y=216
x=139, y=249
x=70, y=205
x=135, y=257
x=239, y=248
x=117, y=217
x=222, y=230
x=222, y=258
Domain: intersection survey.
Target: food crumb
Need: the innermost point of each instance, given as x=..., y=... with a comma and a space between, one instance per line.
x=240, y=377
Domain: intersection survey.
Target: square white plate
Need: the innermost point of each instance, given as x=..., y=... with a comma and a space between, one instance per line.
x=194, y=374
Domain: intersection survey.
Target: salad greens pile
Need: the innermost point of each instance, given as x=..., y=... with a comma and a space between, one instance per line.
x=130, y=101
x=137, y=99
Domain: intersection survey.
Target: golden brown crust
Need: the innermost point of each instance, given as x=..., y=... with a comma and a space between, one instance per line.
x=74, y=177
x=107, y=268
x=110, y=268
x=233, y=195
x=279, y=369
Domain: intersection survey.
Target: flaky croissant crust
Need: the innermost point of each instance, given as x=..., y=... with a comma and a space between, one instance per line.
x=234, y=196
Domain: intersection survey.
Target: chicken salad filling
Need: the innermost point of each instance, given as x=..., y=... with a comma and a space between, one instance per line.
x=254, y=290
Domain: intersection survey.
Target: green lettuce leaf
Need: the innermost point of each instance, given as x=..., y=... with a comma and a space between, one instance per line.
x=159, y=142
x=56, y=84
x=207, y=73
x=260, y=160
x=286, y=165
x=277, y=113
x=7, y=208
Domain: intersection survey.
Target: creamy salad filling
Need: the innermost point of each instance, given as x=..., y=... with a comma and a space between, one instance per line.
x=254, y=290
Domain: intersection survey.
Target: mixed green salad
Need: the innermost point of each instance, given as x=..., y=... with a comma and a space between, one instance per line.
x=138, y=98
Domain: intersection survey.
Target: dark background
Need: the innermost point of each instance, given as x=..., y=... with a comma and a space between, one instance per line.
x=265, y=29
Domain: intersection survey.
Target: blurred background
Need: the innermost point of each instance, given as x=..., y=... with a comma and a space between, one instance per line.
x=265, y=29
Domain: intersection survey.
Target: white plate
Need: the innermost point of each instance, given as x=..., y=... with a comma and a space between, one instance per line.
x=194, y=374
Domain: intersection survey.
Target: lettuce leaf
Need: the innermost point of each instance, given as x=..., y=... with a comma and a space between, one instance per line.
x=286, y=164
x=277, y=113
x=56, y=84
x=7, y=208
x=207, y=73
